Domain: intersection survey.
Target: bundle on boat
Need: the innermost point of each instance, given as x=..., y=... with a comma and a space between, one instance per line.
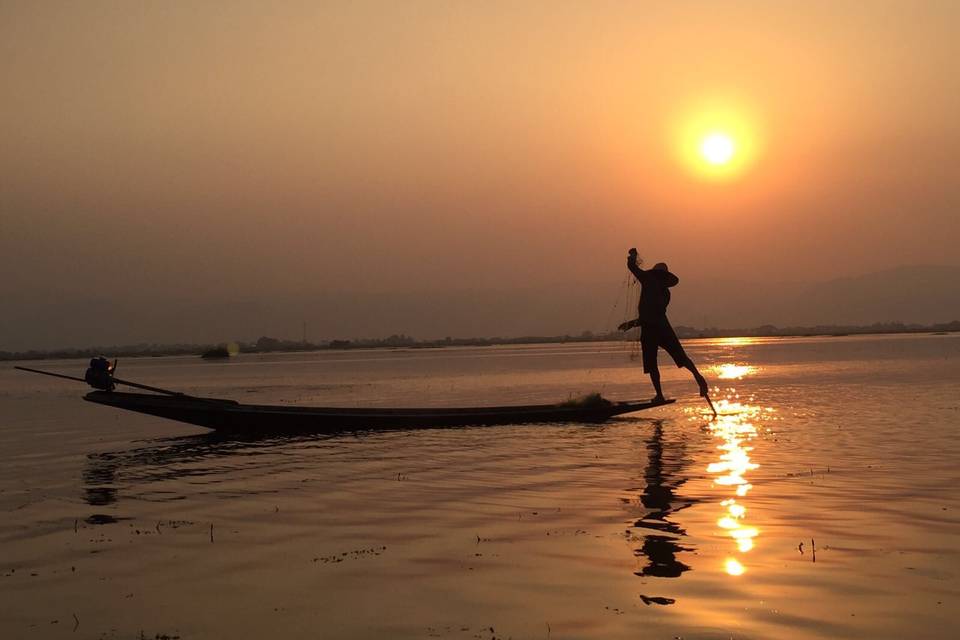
x=588, y=400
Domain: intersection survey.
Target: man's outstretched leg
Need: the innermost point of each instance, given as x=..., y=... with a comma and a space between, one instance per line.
x=671, y=344
x=701, y=381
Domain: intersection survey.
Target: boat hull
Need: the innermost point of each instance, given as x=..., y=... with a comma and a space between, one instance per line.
x=230, y=416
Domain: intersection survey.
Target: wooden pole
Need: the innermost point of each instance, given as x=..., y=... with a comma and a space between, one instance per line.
x=50, y=373
x=116, y=380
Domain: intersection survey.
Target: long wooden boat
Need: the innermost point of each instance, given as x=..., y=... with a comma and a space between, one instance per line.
x=235, y=417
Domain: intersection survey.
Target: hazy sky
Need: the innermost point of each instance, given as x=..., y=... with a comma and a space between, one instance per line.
x=172, y=151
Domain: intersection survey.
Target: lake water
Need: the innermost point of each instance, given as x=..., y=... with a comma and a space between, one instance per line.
x=822, y=503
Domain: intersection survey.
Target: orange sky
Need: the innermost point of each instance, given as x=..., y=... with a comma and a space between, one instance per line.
x=229, y=149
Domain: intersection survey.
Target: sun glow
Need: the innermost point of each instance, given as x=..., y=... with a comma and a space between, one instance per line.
x=717, y=142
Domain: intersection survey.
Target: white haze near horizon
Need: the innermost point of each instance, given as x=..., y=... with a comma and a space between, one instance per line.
x=200, y=172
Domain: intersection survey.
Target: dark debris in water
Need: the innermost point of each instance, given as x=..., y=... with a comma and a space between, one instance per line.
x=174, y=524
x=356, y=554
x=101, y=540
x=648, y=600
x=482, y=633
x=101, y=518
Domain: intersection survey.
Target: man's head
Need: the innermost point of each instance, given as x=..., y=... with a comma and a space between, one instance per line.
x=660, y=266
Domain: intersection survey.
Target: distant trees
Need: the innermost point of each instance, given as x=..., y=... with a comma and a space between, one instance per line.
x=399, y=340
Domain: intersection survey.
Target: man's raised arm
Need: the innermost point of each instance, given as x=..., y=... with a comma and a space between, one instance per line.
x=633, y=266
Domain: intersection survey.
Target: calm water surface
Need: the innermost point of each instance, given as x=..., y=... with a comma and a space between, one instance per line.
x=823, y=503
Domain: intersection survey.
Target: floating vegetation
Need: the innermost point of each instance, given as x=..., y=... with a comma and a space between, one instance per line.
x=588, y=401
x=223, y=351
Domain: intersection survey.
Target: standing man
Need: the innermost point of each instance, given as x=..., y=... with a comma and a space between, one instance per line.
x=655, y=329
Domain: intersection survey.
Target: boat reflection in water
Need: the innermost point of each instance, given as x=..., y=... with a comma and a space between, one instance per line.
x=735, y=427
x=107, y=474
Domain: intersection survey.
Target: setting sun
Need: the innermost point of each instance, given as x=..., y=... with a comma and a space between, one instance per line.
x=717, y=140
x=717, y=148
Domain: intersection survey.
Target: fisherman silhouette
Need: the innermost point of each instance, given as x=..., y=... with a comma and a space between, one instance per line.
x=655, y=329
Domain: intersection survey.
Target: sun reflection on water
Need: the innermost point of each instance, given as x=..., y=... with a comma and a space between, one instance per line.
x=735, y=427
x=733, y=371
x=735, y=342
x=733, y=567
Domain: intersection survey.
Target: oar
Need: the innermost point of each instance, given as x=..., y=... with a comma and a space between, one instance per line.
x=116, y=380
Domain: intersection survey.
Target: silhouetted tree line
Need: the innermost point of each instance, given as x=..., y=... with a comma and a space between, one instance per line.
x=769, y=330
x=267, y=344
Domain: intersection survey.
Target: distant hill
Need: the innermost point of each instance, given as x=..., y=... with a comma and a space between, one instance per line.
x=911, y=294
x=920, y=294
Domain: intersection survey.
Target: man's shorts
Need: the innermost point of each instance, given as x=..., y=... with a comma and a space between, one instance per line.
x=654, y=335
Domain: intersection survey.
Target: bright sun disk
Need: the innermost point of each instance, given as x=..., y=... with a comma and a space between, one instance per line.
x=717, y=148
x=717, y=141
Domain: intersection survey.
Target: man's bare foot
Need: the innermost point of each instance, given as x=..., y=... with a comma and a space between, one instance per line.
x=712, y=408
x=704, y=389
x=658, y=399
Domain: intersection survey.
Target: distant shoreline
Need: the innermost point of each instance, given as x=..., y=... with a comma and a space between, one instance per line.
x=273, y=345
